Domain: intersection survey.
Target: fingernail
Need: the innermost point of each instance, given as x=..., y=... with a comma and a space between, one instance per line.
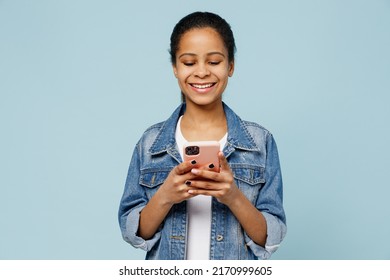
x=195, y=171
x=193, y=162
x=188, y=183
x=211, y=166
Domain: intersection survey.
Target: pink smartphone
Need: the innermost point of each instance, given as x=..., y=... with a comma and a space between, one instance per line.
x=203, y=152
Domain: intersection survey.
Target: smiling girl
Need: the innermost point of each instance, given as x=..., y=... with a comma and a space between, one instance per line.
x=175, y=210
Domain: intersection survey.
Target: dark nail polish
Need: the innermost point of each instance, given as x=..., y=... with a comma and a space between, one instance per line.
x=188, y=183
x=211, y=166
x=193, y=162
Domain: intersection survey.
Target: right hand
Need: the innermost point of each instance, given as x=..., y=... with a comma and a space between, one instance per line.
x=174, y=190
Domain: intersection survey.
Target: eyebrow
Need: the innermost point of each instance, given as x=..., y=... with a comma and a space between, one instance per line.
x=210, y=53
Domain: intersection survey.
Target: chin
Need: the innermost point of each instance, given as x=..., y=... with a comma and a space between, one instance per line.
x=203, y=101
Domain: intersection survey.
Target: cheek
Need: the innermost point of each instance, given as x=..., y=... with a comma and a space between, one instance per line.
x=222, y=72
x=181, y=78
x=223, y=75
x=183, y=75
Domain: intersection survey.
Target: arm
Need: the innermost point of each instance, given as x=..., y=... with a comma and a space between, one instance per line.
x=250, y=218
x=172, y=191
x=222, y=186
x=139, y=217
x=264, y=222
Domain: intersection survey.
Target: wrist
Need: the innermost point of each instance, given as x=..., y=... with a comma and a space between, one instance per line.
x=235, y=199
x=162, y=200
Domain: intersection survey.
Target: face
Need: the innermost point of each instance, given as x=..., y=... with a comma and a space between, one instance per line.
x=202, y=66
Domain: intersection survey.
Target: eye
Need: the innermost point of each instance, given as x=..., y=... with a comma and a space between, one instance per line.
x=189, y=63
x=214, y=62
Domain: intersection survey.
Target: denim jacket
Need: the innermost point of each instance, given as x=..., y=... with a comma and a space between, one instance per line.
x=253, y=158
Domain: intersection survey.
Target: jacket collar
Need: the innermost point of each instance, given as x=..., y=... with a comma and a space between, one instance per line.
x=238, y=135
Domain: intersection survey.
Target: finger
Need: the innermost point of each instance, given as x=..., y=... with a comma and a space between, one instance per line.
x=188, y=176
x=195, y=192
x=184, y=167
x=183, y=189
x=203, y=167
x=200, y=184
x=206, y=174
x=208, y=167
x=187, y=190
x=223, y=162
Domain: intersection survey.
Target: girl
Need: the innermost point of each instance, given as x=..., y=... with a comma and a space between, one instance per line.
x=176, y=211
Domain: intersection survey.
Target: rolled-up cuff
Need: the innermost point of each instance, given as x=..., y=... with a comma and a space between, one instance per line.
x=132, y=225
x=276, y=230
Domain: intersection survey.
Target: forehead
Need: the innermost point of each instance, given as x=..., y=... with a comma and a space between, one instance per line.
x=201, y=39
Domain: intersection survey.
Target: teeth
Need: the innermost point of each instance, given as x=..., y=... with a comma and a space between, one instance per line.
x=202, y=86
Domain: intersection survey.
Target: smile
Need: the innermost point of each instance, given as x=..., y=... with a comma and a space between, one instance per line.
x=203, y=86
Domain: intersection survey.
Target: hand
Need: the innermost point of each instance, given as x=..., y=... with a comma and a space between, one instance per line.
x=223, y=187
x=219, y=185
x=174, y=189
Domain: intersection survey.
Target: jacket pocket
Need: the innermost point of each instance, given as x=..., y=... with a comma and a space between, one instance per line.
x=151, y=179
x=249, y=179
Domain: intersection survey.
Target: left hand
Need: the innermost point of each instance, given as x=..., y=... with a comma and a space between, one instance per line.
x=223, y=187
x=219, y=185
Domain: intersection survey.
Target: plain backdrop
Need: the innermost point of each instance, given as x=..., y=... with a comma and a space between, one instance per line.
x=81, y=80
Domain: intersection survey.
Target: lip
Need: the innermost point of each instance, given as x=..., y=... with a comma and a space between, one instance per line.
x=202, y=87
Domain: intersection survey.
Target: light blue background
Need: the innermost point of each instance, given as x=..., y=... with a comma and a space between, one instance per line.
x=81, y=80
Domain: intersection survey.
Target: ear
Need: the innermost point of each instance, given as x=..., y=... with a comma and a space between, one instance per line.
x=174, y=70
x=231, y=68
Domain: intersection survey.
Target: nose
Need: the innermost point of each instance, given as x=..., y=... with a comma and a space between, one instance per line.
x=201, y=70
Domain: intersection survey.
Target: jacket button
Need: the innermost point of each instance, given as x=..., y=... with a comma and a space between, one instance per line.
x=219, y=237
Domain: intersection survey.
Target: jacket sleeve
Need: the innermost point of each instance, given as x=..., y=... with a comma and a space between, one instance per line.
x=134, y=199
x=270, y=203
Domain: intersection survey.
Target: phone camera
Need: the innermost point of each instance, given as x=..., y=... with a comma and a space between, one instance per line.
x=192, y=150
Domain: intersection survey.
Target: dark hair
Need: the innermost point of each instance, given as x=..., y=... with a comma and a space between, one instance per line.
x=202, y=20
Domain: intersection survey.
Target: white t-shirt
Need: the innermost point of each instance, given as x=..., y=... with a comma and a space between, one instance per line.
x=199, y=213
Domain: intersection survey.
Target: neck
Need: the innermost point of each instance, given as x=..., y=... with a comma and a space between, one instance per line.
x=204, y=122
x=204, y=114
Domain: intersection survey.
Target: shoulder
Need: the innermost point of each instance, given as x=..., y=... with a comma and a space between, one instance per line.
x=259, y=134
x=155, y=128
x=150, y=134
x=254, y=127
x=237, y=122
x=164, y=130
x=246, y=134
